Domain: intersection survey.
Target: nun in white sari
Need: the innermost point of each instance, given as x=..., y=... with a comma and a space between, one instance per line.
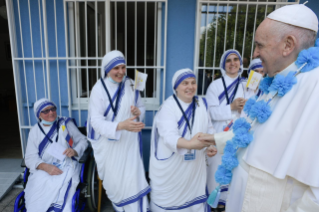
x=116, y=137
x=226, y=99
x=52, y=181
x=177, y=158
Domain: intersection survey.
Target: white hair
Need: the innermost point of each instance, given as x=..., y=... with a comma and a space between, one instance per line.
x=305, y=37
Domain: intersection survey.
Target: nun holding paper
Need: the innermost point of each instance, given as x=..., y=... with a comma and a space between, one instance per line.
x=177, y=157
x=114, y=133
x=54, y=147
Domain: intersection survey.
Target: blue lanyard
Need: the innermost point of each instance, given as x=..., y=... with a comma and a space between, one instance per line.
x=183, y=112
x=226, y=92
x=57, y=137
x=110, y=99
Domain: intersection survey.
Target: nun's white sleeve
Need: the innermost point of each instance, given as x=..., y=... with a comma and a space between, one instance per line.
x=167, y=126
x=79, y=140
x=97, y=109
x=218, y=112
x=210, y=129
x=309, y=202
x=140, y=106
x=32, y=158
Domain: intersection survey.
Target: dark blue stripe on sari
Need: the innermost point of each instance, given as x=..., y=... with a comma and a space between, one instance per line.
x=259, y=93
x=134, y=198
x=156, y=136
x=195, y=201
x=45, y=140
x=230, y=90
x=59, y=208
x=54, y=129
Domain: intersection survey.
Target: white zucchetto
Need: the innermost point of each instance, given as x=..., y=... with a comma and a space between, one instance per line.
x=297, y=15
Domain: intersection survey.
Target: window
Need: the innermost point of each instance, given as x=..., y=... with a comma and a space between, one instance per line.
x=223, y=25
x=134, y=28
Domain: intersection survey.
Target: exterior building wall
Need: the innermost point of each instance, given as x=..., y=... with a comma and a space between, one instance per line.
x=181, y=27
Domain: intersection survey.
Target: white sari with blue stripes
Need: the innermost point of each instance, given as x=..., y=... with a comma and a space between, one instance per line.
x=118, y=154
x=178, y=182
x=221, y=115
x=44, y=192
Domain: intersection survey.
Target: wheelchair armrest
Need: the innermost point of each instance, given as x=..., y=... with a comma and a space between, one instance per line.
x=23, y=163
x=86, y=154
x=82, y=130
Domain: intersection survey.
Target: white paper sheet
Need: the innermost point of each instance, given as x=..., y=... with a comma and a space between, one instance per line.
x=56, y=150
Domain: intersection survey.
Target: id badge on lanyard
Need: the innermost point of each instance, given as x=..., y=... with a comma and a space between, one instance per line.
x=191, y=154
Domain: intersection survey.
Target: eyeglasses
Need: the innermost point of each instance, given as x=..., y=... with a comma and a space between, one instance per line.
x=53, y=109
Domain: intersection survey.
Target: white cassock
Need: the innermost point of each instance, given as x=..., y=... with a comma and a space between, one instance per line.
x=178, y=178
x=221, y=115
x=46, y=192
x=118, y=154
x=279, y=171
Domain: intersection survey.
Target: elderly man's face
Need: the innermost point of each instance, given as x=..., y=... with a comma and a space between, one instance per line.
x=268, y=48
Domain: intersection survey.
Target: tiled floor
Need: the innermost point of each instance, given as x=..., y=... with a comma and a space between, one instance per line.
x=7, y=180
x=7, y=203
x=10, y=172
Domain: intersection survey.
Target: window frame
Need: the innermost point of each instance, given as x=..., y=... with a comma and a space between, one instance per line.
x=198, y=33
x=151, y=103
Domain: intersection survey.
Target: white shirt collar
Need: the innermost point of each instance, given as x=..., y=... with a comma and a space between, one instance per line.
x=291, y=67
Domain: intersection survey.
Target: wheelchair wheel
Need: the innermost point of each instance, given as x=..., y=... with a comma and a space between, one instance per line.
x=19, y=205
x=92, y=189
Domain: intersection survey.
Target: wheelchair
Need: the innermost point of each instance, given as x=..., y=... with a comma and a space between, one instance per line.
x=88, y=191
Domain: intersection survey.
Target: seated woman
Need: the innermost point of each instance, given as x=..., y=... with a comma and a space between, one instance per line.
x=177, y=158
x=256, y=66
x=53, y=176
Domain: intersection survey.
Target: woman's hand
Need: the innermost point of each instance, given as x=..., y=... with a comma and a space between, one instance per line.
x=194, y=143
x=50, y=169
x=131, y=125
x=135, y=111
x=238, y=104
x=70, y=152
x=211, y=151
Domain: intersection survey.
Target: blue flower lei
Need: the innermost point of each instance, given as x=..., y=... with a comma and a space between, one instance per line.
x=260, y=111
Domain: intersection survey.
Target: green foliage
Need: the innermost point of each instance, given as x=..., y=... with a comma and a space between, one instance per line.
x=217, y=28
